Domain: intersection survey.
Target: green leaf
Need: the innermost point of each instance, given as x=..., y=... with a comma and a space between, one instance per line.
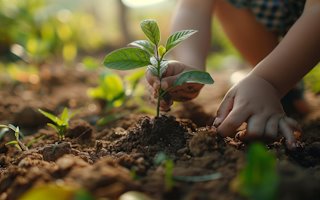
x=161, y=51
x=151, y=30
x=113, y=89
x=3, y=126
x=133, y=79
x=178, y=37
x=194, y=77
x=52, y=117
x=17, y=133
x=12, y=142
x=64, y=117
x=160, y=158
x=13, y=128
x=163, y=66
x=144, y=45
x=126, y=58
x=56, y=128
x=3, y=131
x=52, y=191
x=259, y=178
x=153, y=70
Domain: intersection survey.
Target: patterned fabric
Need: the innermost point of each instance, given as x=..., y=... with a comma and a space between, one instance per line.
x=276, y=15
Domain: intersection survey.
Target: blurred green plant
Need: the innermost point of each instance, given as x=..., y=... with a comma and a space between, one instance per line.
x=52, y=192
x=151, y=54
x=162, y=159
x=17, y=134
x=258, y=180
x=114, y=92
x=36, y=30
x=312, y=79
x=90, y=63
x=60, y=123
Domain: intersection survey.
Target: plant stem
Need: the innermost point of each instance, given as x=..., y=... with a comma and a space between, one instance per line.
x=159, y=76
x=158, y=104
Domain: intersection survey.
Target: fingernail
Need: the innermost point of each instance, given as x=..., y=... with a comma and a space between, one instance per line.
x=217, y=122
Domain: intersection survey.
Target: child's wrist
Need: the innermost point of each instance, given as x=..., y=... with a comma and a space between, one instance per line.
x=277, y=91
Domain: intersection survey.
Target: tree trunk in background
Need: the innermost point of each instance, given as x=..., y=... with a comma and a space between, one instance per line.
x=123, y=22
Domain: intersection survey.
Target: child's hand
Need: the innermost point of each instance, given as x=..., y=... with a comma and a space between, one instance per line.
x=184, y=92
x=255, y=101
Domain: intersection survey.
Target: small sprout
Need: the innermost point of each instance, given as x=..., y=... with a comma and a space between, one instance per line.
x=151, y=54
x=258, y=180
x=114, y=90
x=162, y=159
x=60, y=124
x=17, y=142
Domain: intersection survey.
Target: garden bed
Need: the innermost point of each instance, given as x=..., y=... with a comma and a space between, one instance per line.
x=119, y=157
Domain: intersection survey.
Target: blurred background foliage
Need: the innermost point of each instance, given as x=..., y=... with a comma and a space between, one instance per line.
x=34, y=33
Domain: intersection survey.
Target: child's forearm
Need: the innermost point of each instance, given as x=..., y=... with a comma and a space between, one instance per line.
x=195, y=15
x=296, y=54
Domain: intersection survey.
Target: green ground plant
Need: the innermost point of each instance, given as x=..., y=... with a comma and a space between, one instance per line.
x=312, y=79
x=162, y=159
x=60, y=123
x=39, y=30
x=16, y=142
x=258, y=180
x=151, y=54
x=115, y=91
x=169, y=179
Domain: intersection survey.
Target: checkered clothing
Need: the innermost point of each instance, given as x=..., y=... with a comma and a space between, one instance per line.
x=276, y=15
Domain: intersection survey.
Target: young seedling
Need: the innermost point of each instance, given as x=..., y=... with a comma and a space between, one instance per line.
x=162, y=159
x=17, y=143
x=151, y=54
x=115, y=92
x=258, y=180
x=60, y=124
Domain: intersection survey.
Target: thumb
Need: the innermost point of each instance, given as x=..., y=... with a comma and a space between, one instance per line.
x=151, y=79
x=168, y=82
x=224, y=108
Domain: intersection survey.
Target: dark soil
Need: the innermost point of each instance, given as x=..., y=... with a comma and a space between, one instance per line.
x=119, y=157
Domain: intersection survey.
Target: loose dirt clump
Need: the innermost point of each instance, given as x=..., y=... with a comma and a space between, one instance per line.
x=152, y=136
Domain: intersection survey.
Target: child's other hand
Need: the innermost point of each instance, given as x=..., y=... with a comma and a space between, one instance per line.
x=184, y=92
x=255, y=101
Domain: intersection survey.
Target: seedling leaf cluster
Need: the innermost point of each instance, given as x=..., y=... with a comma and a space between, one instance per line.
x=16, y=142
x=151, y=54
x=60, y=123
x=258, y=180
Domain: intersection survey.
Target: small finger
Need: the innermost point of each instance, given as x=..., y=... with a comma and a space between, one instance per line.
x=168, y=81
x=293, y=123
x=256, y=126
x=224, y=108
x=272, y=126
x=232, y=122
x=287, y=132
